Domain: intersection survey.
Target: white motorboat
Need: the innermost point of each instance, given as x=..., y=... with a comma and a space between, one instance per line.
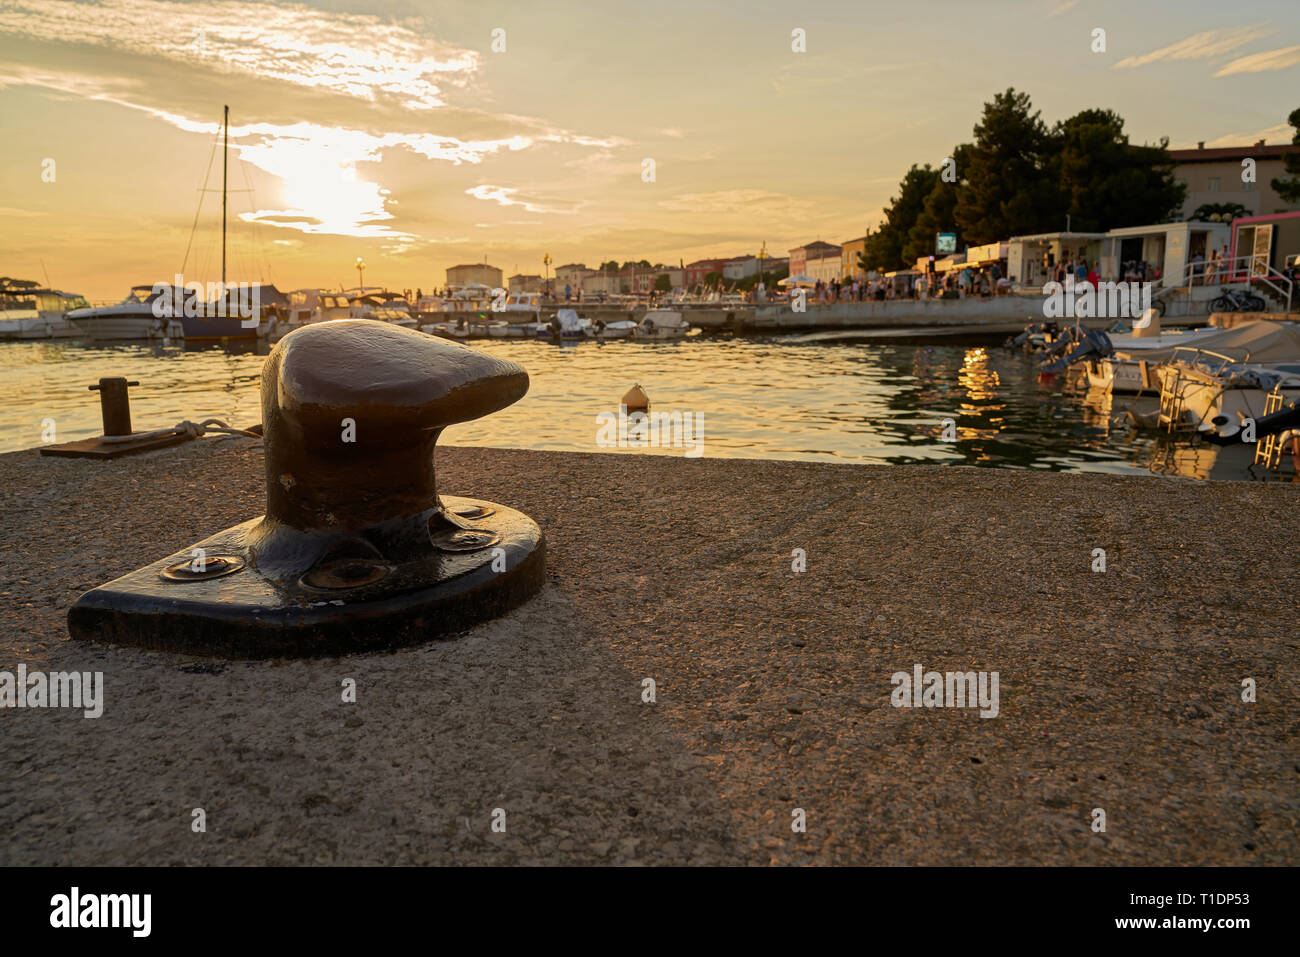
x=303, y=307
x=662, y=324
x=1128, y=370
x=1132, y=367
x=514, y=329
x=567, y=324
x=383, y=307
x=132, y=318
x=522, y=306
x=1197, y=386
x=621, y=329
x=307, y=306
x=30, y=312
x=459, y=301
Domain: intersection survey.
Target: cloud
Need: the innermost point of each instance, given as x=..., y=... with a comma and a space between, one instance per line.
x=318, y=98
x=354, y=55
x=506, y=196
x=732, y=201
x=1278, y=59
x=1065, y=7
x=1200, y=46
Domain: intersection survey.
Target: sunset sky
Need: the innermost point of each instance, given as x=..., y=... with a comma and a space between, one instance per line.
x=393, y=131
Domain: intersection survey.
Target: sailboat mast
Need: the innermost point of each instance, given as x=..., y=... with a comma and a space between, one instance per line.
x=225, y=160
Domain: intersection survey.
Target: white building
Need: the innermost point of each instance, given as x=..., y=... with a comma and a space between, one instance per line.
x=823, y=264
x=741, y=267
x=1171, y=246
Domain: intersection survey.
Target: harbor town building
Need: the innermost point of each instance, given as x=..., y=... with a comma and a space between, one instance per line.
x=480, y=273
x=1215, y=176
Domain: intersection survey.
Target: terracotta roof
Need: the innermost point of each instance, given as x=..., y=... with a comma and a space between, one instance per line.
x=1230, y=152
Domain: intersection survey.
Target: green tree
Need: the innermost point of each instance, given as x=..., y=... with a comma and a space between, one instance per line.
x=1289, y=189
x=1103, y=181
x=611, y=266
x=1225, y=211
x=663, y=282
x=938, y=215
x=1006, y=189
x=887, y=246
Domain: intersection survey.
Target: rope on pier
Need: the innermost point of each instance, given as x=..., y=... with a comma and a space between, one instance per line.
x=186, y=427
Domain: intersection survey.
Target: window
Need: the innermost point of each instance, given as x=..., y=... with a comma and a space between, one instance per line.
x=1212, y=185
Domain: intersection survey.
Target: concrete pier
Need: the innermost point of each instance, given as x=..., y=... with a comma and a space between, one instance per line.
x=1119, y=690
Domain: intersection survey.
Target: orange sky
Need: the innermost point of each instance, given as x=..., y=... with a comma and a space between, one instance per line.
x=395, y=132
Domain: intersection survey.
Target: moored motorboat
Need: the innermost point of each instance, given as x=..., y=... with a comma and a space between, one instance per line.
x=28, y=311
x=383, y=306
x=566, y=324
x=619, y=329
x=1199, y=386
x=662, y=324
x=133, y=318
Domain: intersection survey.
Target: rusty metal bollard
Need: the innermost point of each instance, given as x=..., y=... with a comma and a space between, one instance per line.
x=114, y=404
x=357, y=551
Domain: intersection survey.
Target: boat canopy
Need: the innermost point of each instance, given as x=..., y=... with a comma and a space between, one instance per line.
x=1262, y=340
x=568, y=319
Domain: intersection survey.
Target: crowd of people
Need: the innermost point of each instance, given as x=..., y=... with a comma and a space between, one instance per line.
x=983, y=281
x=1216, y=269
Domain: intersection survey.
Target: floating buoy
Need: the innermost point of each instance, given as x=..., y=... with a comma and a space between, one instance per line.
x=635, y=400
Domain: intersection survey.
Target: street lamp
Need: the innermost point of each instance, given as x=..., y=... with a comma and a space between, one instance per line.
x=361, y=273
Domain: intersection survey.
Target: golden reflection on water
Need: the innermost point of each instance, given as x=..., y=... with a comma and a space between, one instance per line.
x=759, y=398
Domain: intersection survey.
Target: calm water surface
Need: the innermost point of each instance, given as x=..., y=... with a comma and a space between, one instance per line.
x=760, y=398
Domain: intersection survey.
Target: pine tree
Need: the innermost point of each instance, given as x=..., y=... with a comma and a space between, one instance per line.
x=887, y=247
x=1005, y=189
x=1289, y=189
x=1105, y=182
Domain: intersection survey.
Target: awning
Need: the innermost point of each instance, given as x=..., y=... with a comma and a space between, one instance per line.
x=988, y=253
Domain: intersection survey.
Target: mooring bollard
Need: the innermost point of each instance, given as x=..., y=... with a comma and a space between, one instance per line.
x=118, y=439
x=114, y=404
x=356, y=551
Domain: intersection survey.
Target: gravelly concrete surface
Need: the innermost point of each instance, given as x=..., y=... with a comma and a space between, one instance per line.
x=1118, y=690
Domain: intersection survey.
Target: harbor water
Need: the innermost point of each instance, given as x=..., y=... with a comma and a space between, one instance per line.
x=755, y=398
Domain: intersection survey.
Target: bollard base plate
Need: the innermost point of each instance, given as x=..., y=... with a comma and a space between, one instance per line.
x=330, y=609
x=97, y=448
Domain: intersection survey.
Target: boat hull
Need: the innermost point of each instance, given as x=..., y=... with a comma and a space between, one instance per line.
x=200, y=328
x=123, y=323
x=36, y=328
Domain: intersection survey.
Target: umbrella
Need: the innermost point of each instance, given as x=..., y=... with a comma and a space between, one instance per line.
x=799, y=279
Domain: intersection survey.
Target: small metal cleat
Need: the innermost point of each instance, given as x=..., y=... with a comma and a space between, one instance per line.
x=356, y=551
